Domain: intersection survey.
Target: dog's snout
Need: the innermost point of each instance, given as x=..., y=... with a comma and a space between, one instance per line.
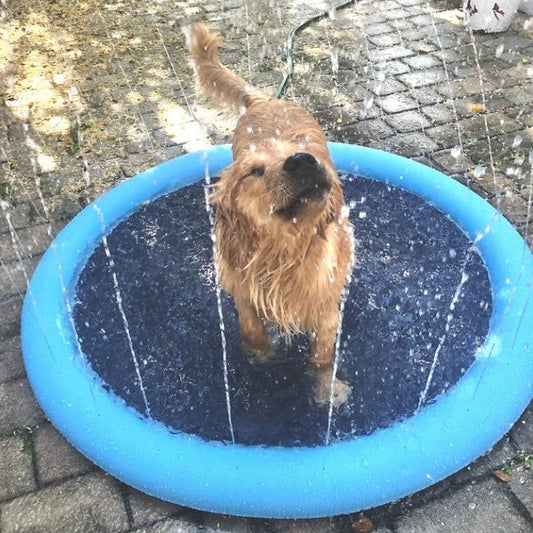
x=299, y=163
x=305, y=174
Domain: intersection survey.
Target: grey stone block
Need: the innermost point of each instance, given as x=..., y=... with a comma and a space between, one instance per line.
x=17, y=275
x=407, y=121
x=410, y=144
x=521, y=485
x=11, y=364
x=476, y=508
x=522, y=432
x=147, y=509
x=392, y=52
x=317, y=525
x=16, y=468
x=10, y=317
x=366, y=131
x=19, y=217
x=422, y=78
x=31, y=241
x=422, y=62
x=439, y=114
x=234, y=524
x=398, y=102
x=174, y=525
x=494, y=459
x=452, y=164
x=55, y=458
x=85, y=504
x=19, y=408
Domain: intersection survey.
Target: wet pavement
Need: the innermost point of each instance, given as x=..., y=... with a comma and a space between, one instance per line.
x=94, y=93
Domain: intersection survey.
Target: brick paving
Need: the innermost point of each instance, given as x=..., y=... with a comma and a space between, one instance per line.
x=94, y=92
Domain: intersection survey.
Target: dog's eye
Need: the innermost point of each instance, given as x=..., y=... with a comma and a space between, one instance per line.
x=257, y=171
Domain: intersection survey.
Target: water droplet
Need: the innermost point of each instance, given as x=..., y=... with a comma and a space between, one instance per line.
x=253, y=148
x=517, y=141
x=362, y=214
x=479, y=171
x=471, y=505
x=499, y=50
x=456, y=151
x=368, y=102
x=249, y=129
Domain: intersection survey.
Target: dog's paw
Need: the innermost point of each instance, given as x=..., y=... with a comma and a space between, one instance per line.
x=337, y=392
x=257, y=352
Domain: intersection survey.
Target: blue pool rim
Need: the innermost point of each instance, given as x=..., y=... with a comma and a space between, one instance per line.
x=278, y=482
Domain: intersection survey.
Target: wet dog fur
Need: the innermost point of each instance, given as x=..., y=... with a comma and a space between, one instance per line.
x=282, y=238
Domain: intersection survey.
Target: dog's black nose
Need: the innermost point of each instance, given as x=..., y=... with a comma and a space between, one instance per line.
x=300, y=163
x=305, y=173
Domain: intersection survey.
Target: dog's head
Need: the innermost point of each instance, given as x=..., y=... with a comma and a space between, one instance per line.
x=280, y=184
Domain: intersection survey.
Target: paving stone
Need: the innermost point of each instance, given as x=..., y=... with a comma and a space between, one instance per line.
x=392, y=52
x=464, y=87
x=509, y=41
x=19, y=217
x=55, y=458
x=494, y=459
x=387, y=39
x=16, y=468
x=522, y=487
x=522, y=432
x=469, y=105
x=423, y=47
x=235, y=524
x=147, y=510
x=395, y=103
x=520, y=95
x=87, y=503
x=379, y=29
x=11, y=364
x=19, y=408
x=477, y=508
x=10, y=317
x=174, y=525
x=422, y=62
x=386, y=87
x=319, y=525
x=423, y=77
x=409, y=144
x=17, y=275
x=366, y=131
x=407, y=121
x=439, y=113
x=29, y=242
x=426, y=96
x=391, y=68
x=452, y=163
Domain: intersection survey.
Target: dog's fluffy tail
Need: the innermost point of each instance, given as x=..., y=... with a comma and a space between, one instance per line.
x=215, y=79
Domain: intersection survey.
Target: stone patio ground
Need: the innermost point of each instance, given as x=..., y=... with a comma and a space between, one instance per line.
x=94, y=91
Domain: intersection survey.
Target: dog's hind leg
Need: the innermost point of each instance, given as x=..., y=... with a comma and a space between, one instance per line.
x=254, y=338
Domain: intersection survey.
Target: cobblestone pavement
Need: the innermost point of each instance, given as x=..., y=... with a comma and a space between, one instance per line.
x=94, y=91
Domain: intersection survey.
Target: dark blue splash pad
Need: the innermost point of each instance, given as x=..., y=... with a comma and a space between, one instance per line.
x=384, y=446
x=411, y=261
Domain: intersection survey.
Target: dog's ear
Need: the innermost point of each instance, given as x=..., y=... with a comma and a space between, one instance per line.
x=235, y=236
x=221, y=197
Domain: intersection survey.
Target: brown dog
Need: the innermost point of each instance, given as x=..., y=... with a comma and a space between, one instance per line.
x=283, y=241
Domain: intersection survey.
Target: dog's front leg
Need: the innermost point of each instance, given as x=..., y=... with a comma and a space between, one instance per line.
x=254, y=338
x=322, y=352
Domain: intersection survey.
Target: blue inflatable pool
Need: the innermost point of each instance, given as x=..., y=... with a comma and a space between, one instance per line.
x=122, y=346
